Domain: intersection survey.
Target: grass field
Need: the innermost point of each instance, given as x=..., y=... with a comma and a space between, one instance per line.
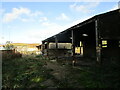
x=26, y=72
x=30, y=72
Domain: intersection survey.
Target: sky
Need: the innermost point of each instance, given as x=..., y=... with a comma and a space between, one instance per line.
x=32, y=22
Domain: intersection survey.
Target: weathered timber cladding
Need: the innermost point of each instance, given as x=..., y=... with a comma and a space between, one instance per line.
x=109, y=25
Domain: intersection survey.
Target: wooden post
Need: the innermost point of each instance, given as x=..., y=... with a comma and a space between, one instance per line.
x=56, y=43
x=73, y=48
x=47, y=48
x=98, y=48
x=43, y=47
x=73, y=43
x=80, y=47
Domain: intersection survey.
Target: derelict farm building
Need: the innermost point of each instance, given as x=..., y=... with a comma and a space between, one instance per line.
x=97, y=37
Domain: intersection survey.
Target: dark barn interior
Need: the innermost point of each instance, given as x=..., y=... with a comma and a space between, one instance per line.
x=86, y=35
x=63, y=37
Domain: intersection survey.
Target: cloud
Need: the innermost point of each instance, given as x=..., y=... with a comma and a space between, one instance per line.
x=85, y=7
x=37, y=34
x=24, y=19
x=2, y=11
x=42, y=19
x=49, y=29
x=45, y=30
x=36, y=13
x=17, y=13
x=63, y=17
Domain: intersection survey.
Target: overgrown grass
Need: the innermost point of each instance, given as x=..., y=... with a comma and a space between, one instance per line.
x=7, y=55
x=24, y=72
x=42, y=57
x=105, y=75
x=28, y=72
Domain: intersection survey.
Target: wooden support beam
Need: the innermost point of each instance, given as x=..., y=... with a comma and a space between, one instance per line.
x=56, y=43
x=98, y=46
x=73, y=48
x=47, y=48
x=43, y=47
x=73, y=43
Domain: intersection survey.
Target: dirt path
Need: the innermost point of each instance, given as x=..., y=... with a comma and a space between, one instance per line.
x=57, y=71
x=62, y=76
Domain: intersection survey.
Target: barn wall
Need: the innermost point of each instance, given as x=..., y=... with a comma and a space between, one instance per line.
x=111, y=53
x=109, y=29
x=58, y=53
x=109, y=25
x=112, y=50
x=64, y=49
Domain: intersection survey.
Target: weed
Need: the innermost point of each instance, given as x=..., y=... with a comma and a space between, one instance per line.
x=24, y=72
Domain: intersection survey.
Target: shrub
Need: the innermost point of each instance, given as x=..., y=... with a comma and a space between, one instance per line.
x=7, y=55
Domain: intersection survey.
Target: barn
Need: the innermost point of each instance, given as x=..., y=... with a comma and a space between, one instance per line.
x=98, y=37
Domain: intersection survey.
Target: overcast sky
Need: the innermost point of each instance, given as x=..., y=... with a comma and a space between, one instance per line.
x=31, y=22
